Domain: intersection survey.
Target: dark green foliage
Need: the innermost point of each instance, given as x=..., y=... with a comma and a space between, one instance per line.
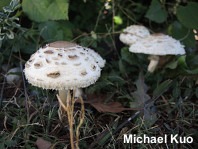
x=45, y=10
x=53, y=31
x=187, y=15
x=167, y=99
x=156, y=13
x=180, y=32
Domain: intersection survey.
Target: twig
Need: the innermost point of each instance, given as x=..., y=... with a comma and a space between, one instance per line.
x=26, y=95
x=82, y=115
x=2, y=89
x=100, y=12
x=4, y=80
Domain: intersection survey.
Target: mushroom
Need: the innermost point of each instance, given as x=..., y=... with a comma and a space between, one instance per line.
x=133, y=33
x=156, y=45
x=64, y=66
x=11, y=77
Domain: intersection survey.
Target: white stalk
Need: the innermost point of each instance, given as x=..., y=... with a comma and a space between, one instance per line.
x=78, y=92
x=154, y=60
x=63, y=97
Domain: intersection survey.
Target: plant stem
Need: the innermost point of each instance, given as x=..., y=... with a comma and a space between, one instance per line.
x=82, y=115
x=70, y=108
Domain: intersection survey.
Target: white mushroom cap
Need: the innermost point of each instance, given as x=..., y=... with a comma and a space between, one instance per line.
x=133, y=33
x=98, y=59
x=158, y=44
x=63, y=65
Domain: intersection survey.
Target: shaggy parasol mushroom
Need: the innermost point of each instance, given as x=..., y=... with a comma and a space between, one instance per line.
x=157, y=45
x=133, y=33
x=64, y=66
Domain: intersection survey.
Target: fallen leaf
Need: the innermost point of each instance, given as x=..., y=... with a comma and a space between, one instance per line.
x=43, y=144
x=98, y=103
x=163, y=60
x=141, y=97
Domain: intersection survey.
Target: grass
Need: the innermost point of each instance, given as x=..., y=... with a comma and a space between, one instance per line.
x=18, y=129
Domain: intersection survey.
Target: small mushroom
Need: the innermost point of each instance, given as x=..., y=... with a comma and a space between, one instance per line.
x=157, y=45
x=133, y=33
x=12, y=77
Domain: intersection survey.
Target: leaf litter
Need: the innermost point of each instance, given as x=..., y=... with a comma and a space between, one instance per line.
x=98, y=102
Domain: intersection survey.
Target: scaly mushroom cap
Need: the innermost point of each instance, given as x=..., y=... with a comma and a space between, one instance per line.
x=63, y=65
x=158, y=44
x=133, y=33
x=98, y=59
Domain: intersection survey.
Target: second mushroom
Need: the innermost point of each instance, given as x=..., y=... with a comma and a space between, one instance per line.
x=157, y=45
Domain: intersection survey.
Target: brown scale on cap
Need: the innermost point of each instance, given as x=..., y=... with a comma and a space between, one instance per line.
x=77, y=64
x=38, y=65
x=93, y=67
x=71, y=49
x=47, y=61
x=62, y=44
x=86, y=59
x=73, y=57
x=82, y=53
x=49, y=52
x=31, y=61
x=55, y=58
x=83, y=73
x=27, y=65
x=54, y=74
x=59, y=54
x=63, y=63
x=85, y=49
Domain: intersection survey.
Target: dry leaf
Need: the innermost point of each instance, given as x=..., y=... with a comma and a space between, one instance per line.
x=43, y=144
x=163, y=60
x=98, y=103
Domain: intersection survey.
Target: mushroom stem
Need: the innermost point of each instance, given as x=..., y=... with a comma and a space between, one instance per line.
x=154, y=60
x=67, y=104
x=63, y=96
x=78, y=93
x=63, y=93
